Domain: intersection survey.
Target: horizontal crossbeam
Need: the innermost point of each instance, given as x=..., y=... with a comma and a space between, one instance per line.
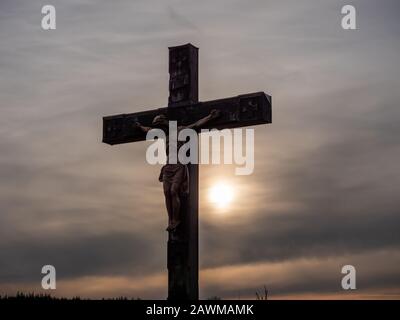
x=240, y=111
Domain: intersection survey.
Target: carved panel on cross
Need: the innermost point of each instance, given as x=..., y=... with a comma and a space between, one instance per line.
x=250, y=108
x=183, y=75
x=115, y=128
x=179, y=84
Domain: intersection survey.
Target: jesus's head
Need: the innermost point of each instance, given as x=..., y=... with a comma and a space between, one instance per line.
x=160, y=121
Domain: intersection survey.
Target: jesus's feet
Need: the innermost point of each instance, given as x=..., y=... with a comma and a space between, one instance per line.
x=169, y=225
x=174, y=225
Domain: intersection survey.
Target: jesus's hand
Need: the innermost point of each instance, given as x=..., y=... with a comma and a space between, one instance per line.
x=138, y=125
x=215, y=113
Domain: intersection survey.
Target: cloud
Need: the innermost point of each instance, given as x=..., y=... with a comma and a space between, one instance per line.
x=325, y=185
x=314, y=278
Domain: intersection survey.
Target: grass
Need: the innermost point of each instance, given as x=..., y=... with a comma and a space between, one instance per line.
x=20, y=296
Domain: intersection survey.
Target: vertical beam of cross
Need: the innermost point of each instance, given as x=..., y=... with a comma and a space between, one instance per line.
x=183, y=246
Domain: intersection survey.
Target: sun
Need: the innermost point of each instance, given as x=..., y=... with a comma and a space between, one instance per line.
x=221, y=194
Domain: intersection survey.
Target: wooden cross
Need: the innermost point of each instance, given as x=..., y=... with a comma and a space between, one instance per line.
x=184, y=107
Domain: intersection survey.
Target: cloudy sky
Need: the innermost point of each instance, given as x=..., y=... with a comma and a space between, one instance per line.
x=325, y=191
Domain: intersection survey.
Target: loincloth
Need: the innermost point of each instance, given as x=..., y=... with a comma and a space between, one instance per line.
x=176, y=174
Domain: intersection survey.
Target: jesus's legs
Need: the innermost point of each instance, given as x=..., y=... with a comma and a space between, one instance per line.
x=168, y=202
x=173, y=178
x=176, y=204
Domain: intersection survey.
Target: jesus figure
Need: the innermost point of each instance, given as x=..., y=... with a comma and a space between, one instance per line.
x=175, y=176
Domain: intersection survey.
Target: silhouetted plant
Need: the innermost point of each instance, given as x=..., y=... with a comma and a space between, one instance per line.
x=262, y=295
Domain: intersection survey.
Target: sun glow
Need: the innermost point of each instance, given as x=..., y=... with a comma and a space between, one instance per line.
x=221, y=194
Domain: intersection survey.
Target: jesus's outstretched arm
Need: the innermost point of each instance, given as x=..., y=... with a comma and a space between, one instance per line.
x=142, y=128
x=202, y=122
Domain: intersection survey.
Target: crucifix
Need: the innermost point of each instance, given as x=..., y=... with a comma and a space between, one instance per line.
x=185, y=108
